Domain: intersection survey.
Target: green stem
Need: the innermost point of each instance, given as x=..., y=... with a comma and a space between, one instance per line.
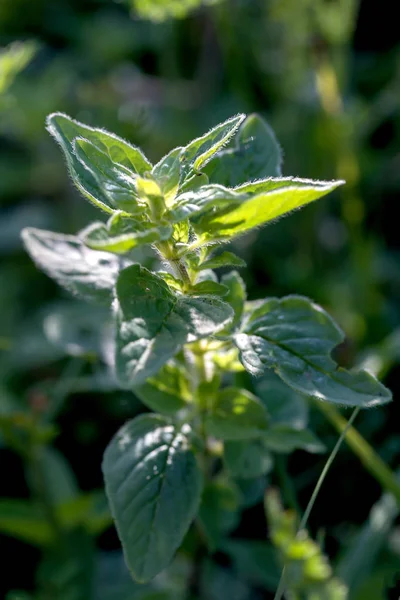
x=282, y=584
x=369, y=458
x=325, y=470
x=170, y=254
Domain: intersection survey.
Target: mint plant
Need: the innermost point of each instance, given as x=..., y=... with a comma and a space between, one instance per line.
x=183, y=335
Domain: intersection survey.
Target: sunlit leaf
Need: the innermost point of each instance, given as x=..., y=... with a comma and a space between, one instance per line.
x=122, y=234
x=196, y=154
x=167, y=174
x=65, y=130
x=236, y=211
x=256, y=155
x=208, y=287
x=295, y=337
x=115, y=181
x=83, y=272
x=225, y=259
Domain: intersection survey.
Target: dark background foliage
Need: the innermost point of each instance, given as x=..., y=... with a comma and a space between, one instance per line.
x=326, y=75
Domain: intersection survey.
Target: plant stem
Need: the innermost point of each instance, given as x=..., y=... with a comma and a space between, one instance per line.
x=369, y=458
x=325, y=470
x=281, y=587
x=169, y=253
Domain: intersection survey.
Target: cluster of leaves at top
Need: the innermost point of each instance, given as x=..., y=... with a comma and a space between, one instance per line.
x=179, y=329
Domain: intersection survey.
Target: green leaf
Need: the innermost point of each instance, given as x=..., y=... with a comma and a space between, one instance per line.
x=247, y=459
x=235, y=212
x=171, y=281
x=25, y=521
x=219, y=511
x=58, y=476
x=83, y=272
x=236, y=415
x=236, y=296
x=255, y=562
x=150, y=192
x=257, y=155
x=73, y=328
x=154, y=486
x=167, y=174
x=65, y=130
x=122, y=234
x=284, y=405
x=294, y=337
x=181, y=233
x=208, y=287
x=167, y=392
x=117, y=183
x=196, y=154
x=207, y=275
x=192, y=202
x=153, y=323
x=225, y=259
x=286, y=439
x=194, y=183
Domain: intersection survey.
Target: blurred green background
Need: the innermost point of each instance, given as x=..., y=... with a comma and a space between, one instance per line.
x=326, y=76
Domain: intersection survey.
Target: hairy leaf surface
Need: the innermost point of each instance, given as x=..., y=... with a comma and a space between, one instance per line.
x=84, y=272
x=65, y=130
x=196, y=154
x=122, y=234
x=295, y=337
x=153, y=323
x=256, y=155
x=117, y=183
x=252, y=205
